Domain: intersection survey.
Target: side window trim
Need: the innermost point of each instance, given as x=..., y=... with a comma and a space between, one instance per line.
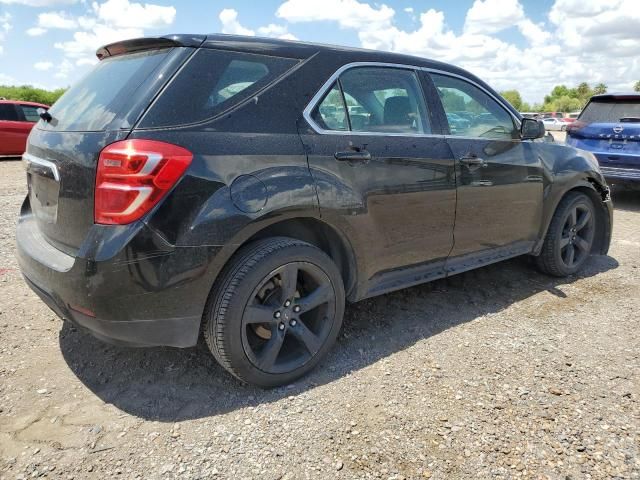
x=344, y=104
x=436, y=111
x=330, y=81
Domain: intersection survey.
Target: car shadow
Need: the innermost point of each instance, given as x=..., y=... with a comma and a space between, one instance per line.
x=169, y=385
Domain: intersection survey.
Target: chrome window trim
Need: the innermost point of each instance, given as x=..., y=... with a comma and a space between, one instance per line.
x=29, y=159
x=306, y=113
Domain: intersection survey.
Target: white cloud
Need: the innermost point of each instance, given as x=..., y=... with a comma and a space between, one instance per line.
x=409, y=9
x=125, y=14
x=36, y=31
x=5, y=27
x=348, y=13
x=574, y=46
x=106, y=22
x=86, y=43
x=43, y=66
x=38, y=3
x=87, y=61
x=60, y=20
x=276, y=31
x=230, y=24
x=490, y=16
x=63, y=70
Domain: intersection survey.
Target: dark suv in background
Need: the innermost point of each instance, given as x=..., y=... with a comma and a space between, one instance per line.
x=609, y=127
x=246, y=188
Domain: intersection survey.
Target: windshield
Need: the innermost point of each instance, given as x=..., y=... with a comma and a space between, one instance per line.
x=611, y=111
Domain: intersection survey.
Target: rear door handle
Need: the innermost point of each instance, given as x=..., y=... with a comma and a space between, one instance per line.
x=353, y=156
x=473, y=161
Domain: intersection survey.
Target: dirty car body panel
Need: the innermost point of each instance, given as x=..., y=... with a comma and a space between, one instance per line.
x=393, y=207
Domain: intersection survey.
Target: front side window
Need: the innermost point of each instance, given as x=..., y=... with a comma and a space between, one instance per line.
x=377, y=100
x=471, y=112
x=30, y=113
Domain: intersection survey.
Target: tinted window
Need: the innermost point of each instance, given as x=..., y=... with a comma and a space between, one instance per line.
x=470, y=111
x=8, y=112
x=611, y=111
x=330, y=114
x=212, y=82
x=30, y=113
x=386, y=100
x=105, y=93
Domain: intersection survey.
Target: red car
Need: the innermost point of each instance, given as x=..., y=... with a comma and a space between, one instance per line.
x=17, y=118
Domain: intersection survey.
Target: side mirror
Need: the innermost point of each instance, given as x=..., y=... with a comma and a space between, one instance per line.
x=530, y=129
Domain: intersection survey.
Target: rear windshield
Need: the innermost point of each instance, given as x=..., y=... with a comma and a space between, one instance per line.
x=105, y=93
x=212, y=82
x=611, y=111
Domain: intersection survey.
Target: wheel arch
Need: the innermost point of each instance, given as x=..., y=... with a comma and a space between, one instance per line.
x=599, y=194
x=309, y=229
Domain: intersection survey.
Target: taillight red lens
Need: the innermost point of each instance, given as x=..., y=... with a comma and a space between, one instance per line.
x=575, y=126
x=133, y=176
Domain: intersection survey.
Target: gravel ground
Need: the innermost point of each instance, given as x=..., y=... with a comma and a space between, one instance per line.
x=497, y=373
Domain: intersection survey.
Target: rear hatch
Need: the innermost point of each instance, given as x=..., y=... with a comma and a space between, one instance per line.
x=62, y=154
x=609, y=127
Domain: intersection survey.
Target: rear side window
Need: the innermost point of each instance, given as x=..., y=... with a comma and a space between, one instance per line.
x=30, y=113
x=210, y=83
x=105, y=93
x=8, y=112
x=611, y=111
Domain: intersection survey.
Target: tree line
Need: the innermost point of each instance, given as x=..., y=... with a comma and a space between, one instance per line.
x=27, y=93
x=561, y=98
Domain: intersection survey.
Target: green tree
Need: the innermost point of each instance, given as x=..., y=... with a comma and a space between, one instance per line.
x=28, y=93
x=560, y=91
x=566, y=104
x=599, y=89
x=584, y=91
x=514, y=98
x=636, y=87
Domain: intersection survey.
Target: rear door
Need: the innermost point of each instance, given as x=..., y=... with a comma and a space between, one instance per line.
x=499, y=177
x=381, y=171
x=62, y=154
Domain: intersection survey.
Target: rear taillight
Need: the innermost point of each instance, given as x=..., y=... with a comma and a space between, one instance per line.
x=132, y=177
x=575, y=126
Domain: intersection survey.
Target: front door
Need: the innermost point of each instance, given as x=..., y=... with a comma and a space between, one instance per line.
x=382, y=174
x=499, y=176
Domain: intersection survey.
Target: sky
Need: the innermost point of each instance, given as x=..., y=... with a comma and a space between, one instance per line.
x=528, y=45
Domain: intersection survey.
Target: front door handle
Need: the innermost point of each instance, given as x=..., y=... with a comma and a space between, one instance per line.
x=472, y=160
x=353, y=156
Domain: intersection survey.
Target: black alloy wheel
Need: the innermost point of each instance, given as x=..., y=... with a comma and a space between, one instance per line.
x=275, y=311
x=289, y=317
x=577, y=235
x=570, y=237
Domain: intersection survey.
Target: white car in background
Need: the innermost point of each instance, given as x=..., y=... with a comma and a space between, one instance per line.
x=555, y=124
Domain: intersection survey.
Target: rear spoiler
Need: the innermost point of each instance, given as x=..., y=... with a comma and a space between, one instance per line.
x=149, y=43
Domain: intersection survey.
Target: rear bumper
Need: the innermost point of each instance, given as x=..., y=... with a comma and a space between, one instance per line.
x=149, y=294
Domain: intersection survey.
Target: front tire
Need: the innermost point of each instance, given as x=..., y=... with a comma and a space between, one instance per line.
x=275, y=311
x=570, y=237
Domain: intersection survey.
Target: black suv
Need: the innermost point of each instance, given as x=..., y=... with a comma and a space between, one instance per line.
x=247, y=188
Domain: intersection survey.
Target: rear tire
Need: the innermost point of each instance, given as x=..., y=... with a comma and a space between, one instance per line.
x=570, y=237
x=275, y=311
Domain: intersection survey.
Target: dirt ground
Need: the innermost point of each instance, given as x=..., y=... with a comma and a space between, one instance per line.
x=498, y=373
